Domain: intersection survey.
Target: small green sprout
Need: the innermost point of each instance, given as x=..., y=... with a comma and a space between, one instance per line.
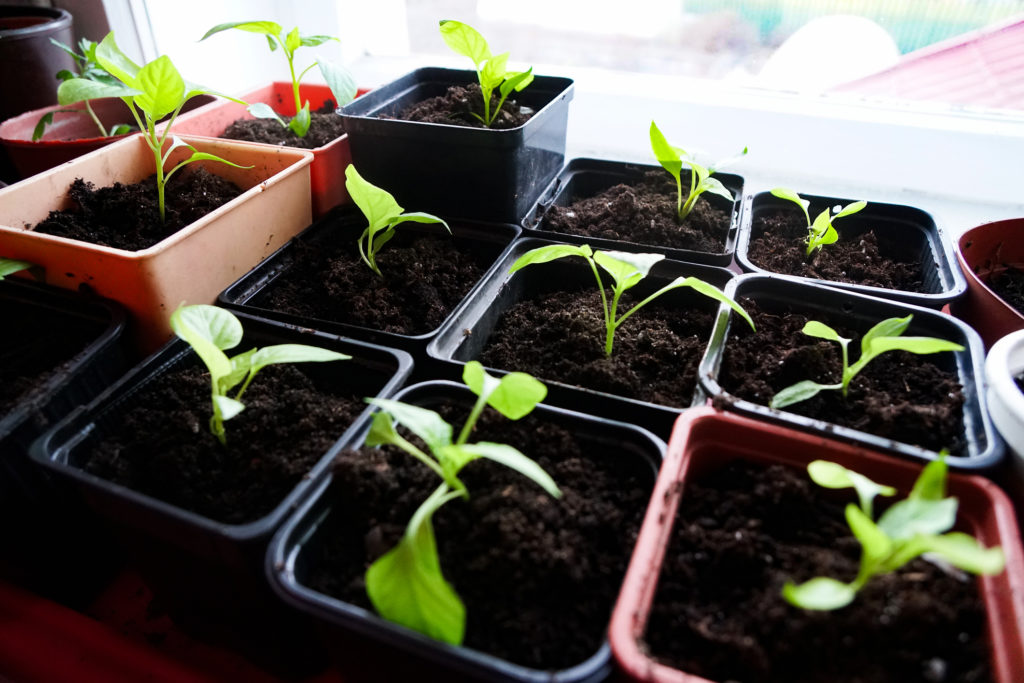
x=627, y=270
x=10, y=267
x=911, y=527
x=383, y=214
x=155, y=90
x=821, y=231
x=210, y=331
x=338, y=78
x=490, y=69
x=406, y=584
x=885, y=336
x=672, y=160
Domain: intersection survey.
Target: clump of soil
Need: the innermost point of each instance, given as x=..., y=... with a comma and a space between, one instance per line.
x=915, y=399
x=538, y=575
x=325, y=126
x=743, y=531
x=645, y=213
x=457, y=106
x=778, y=243
x=1008, y=284
x=128, y=216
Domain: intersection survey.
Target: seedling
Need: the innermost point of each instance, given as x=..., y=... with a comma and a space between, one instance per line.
x=885, y=336
x=10, y=267
x=210, y=331
x=154, y=90
x=405, y=584
x=338, y=78
x=672, y=160
x=821, y=231
x=910, y=528
x=383, y=213
x=627, y=270
x=490, y=69
x=88, y=68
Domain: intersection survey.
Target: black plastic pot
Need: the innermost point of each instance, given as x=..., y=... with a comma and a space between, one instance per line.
x=370, y=648
x=901, y=229
x=985, y=450
x=208, y=574
x=249, y=294
x=583, y=178
x=473, y=173
x=31, y=62
x=465, y=335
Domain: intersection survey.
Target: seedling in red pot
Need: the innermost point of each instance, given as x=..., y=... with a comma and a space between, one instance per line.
x=821, y=231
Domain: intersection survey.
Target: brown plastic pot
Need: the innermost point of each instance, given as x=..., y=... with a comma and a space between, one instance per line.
x=705, y=439
x=29, y=59
x=982, y=252
x=194, y=264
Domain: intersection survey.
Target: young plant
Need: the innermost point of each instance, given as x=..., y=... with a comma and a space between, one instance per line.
x=672, y=160
x=911, y=527
x=406, y=584
x=10, y=267
x=88, y=68
x=885, y=336
x=210, y=331
x=627, y=270
x=339, y=80
x=151, y=92
x=821, y=231
x=383, y=214
x=490, y=69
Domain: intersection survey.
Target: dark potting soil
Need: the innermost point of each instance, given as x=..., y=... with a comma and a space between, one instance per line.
x=779, y=243
x=324, y=127
x=1008, y=285
x=128, y=216
x=560, y=336
x=741, y=533
x=425, y=277
x=538, y=576
x=162, y=445
x=915, y=399
x=645, y=213
x=457, y=106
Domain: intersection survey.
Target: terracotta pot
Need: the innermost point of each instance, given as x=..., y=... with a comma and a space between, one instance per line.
x=194, y=264
x=705, y=439
x=982, y=252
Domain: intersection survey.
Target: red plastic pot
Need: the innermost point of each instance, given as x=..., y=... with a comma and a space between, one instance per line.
x=982, y=252
x=705, y=439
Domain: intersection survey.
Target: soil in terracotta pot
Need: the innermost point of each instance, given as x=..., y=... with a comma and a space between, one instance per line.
x=425, y=277
x=457, y=106
x=778, y=243
x=911, y=398
x=1008, y=285
x=538, y=575
x=645, y=213
x=162, y=446
x=741, y=533
x=325, y=126
x=128, y=216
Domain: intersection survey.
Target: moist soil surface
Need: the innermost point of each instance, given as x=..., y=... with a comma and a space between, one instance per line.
x=324, y=127
x=778, y=243
x=560, y=336
x=162, y=446
x=899, y=395
x=128, y=216
x=457, y=106
x=1008, y=285
x=645, y=213
x=538, y=576
x=424, y=278
x=742, y=532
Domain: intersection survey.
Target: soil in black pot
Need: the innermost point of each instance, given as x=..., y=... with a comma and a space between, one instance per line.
x=162, y=445
x=128, y=216
x=743, y=531
x=778, y=243
x=325, y=126
x=457, y=106
x=645, y=213
x=1008, y=285
x=538, y=575
x=911, y=398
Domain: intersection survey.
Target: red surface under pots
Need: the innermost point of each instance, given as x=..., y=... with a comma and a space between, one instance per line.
x=982, y=252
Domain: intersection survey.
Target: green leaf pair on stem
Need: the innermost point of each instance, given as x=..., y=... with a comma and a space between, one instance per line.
x=210, y=331
x=406, y=584
x=491, y=70
x=338, y=78
x=821, y=231
x=911, y=527
x=672, y=160
x=627, y=270
x=885, y=336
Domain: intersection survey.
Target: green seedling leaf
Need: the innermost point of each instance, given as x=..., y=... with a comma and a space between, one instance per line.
x=783, y=193
x=339, y=80
x=917, y=516
x=711, y=292
x=46, y=119
x=891, y=327
x=715, y=186
x=874, y=542
x=115, y=62
x=834, y=476
x=820, y=593
x=465, y=40
x=80, y=90
x=550, y=253
x=205, y=327
x=516, y=81
x=492, y=70
x=668, y=156
x=264, y=111
x=963, y=551
x=672, y=159
x=850, y=209
x=163, y=88
x=931, y=483
x=11, y=266
x=120, y=129
x=513, y=459
x=918, y=345
x=314, y=41
x=228, y=407
x=795, y=393
x=426, y=424
x=301, y=121
x=293, y=41
x=515, y=395
x=813, y=328
x=625, y=268
x=269, y=28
